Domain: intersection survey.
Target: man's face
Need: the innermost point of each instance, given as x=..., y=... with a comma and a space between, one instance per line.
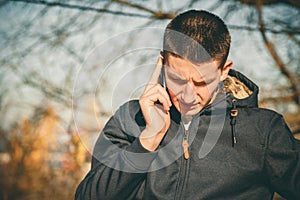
x=191, y=86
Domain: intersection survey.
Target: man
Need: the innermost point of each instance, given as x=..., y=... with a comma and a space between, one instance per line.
x=196, y=132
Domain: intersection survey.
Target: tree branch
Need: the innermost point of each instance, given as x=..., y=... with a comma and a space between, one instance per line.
x=139, y=7
x=276, y=57
x=249, y=28
x=281, y=99
x=83, y=8
x=155, y=14
x=293, y=3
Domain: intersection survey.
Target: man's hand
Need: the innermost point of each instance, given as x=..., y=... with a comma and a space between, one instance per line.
x=155, y=104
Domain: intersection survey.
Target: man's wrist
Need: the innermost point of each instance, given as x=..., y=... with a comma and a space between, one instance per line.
x=147, y=140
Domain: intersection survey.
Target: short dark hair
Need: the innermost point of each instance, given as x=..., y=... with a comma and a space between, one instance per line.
x=198, y=35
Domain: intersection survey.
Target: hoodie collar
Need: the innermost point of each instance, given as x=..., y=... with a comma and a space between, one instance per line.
x=252, y=99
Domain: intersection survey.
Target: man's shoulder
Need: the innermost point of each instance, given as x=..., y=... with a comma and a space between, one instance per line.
x=262, y=112
x=131, y=112
x=131, y=106
x=262, y=118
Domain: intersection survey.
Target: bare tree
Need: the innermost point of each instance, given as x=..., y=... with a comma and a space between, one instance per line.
x=45, y=44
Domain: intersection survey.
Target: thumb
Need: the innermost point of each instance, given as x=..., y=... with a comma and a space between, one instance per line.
x=154, y=79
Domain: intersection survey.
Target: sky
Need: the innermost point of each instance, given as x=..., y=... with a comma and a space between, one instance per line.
x=106, y=61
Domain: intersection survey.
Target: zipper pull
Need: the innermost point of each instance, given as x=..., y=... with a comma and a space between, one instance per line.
x=185, y=146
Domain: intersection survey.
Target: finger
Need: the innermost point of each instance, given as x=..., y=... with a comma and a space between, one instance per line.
x=157, y=94
x=162, y=91
x=154, y=79
x=148, y=105
x=152, y=99
x=155, y=89
x=158, y=88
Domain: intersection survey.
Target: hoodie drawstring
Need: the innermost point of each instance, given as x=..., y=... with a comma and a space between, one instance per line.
x=233, y=114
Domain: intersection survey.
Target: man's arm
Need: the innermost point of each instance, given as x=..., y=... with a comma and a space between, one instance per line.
x=282, y=160
x=123, y=153
x=120, y=163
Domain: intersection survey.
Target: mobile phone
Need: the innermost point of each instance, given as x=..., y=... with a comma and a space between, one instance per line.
x=162, y=73
x=163, y=77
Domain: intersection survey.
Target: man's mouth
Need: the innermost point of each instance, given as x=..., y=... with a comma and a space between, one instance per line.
x=189, y=105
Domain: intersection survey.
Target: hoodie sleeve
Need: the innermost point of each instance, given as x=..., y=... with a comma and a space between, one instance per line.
x=282, y=159
x=119, y=164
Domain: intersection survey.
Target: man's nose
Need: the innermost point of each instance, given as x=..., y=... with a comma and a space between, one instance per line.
x=188, y=94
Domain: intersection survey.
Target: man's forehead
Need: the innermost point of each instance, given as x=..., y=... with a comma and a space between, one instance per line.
x=205, y=70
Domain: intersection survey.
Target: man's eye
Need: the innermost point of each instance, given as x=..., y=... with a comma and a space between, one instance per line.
x=178, y=80
x=202, y=83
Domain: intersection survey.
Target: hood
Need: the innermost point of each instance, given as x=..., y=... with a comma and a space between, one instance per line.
x=242, y=89
x=238, y=91
x=241, y=92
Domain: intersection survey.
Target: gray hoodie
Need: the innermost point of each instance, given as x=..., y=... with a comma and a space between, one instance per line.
x=236, y=151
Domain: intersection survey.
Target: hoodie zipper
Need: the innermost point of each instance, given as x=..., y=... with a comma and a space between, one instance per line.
x=185, y=161
x=185, y=145
x=184, y=165
x=233, y=114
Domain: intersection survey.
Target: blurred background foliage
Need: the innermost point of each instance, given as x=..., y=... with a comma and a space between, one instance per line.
x=44, y=151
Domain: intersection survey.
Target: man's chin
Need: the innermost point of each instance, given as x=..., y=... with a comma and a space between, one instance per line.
x=187, y=110
x=190, y=112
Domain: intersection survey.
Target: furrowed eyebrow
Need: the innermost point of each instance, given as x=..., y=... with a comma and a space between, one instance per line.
x=202, y=82
x=173, y=75
x=176, y=77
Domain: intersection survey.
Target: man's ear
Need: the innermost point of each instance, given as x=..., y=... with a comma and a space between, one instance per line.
x=225, y=70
